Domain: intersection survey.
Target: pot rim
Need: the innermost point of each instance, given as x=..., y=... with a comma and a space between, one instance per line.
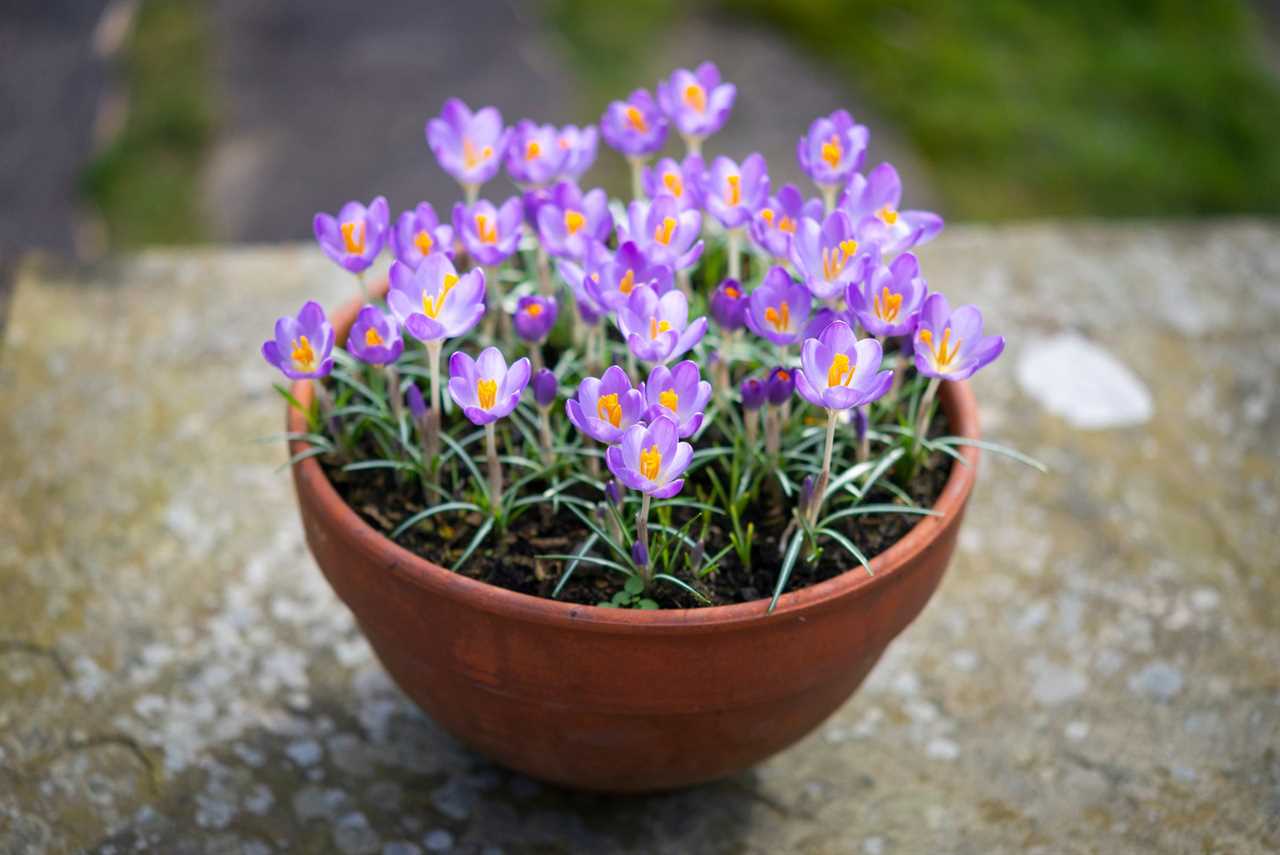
x=957, y=399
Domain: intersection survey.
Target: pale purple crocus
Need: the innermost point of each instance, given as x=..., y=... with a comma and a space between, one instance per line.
x=950, y=345
x=657, y=329
x=733, y=193
x=839, y=372
x=534, y=317
x=829, y=257
x=433, y=302
x=418, y=233
x=872, y=205
x=635, y=127
x=728, y=305
x=486, y=388
x=779, y=308
x=354, y=238
x=303, y=345
x=579, y=145
x=663, y=232
x=375, y=337
x=833, y=149
x=774, y=225
x=534, y=155
x=681, y=181
x=612, y=282
x=570, y=221
x=650, y=459
x=489, y=235
x=887, y=303
x=469, y=146
x=696, y=102
x=678, y=393
x=605, y=407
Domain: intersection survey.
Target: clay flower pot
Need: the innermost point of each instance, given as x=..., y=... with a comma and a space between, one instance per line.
x=617, y=699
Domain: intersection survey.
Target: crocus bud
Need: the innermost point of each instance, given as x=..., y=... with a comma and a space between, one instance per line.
x=859, y=422
x=753, y=392
x=639, y=554
x=729, y=305
x=613, y=493
x=806, y=493
x=780, y=385
x=545, y=386
x=417, y=406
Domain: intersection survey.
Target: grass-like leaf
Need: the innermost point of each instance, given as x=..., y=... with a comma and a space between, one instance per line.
x=480, y=535
x=994, y=448
x=788, y=564
x=849, y=546
x=573, y=565
x=430, y=512
x=672, y=580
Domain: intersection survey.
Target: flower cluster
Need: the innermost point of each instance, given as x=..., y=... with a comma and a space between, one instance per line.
x=806, y=275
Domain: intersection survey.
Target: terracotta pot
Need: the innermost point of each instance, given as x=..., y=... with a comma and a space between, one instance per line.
x=622, y=700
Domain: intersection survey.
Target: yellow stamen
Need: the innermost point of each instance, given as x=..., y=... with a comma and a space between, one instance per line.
x=696, y=97
x=470, y=157
x=423, y=241
x=353, y=237
x=488, y=232
x=942, y=358
x=887, y=215
x=609, y=410
x=532, y=150
x=662, y=234
x=431, y=307
x=732, y=292
x=832, y=151
x=636, y=119
x=303, y=356
x=651, y=463
x=671, y=180
x=841, y=372
x=788, y=225
x=734, y=196
x=835, y=259
x=371, y=337
x=487, y=392
x=533, y=309
x=657, y=327
x=766, y=214
x=669, y=399
x=779, y=317
x=628, y=282
x=573, y=221
x=887, y=305
x=850, y=247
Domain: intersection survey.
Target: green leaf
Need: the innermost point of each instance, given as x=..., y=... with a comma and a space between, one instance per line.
x=621, y=598
x=479, y=537
x=430, y=512
x=788, y=564
x=590, y=559
x=464, y=457
x=647, y=604
x=573, y=565
x=361, y=465
x=994, y=448
x=848, y=545
x=672, y=580
x=301, y=456
x=862, y=510
x=634, y=585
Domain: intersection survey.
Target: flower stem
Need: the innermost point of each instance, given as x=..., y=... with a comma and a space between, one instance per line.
x=637, y=177
x=642, y=534
x=544, y=434
x=471, y=192
x=431, y=441
x=682, y=282
x=820, y=489
x=544, y=271
x=495, y=469
x=829, y=197
x=693, y=144
x=393, y=392
x=752, y=418
x=364, y=286
x=734, y=251
x=772, y=432
x=925, y=414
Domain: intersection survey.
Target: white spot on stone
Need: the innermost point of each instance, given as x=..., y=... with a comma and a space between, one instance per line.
x=964, y=660
x=1053, y=684
x=942, y=749
x=304, y=752
x=438, y=841
x=1158, y=680
x=1076, y=379
x=353, y=836
x=873, y=846
x=1204, y=599
x=1076, y=730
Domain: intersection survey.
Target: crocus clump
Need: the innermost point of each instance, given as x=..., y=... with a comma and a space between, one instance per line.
x=739, y=362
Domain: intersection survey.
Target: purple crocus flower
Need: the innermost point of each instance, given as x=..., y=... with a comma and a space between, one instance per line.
x=468, y=146
x=575, y=274
x=485, y=388
x=657, y=329
x=636, y=127
x=663, y=232
x=579, y=145
x=535, y=316
x=780, y=385
x=888, y=301
x=681, y=181
x=697, y=103
x=678, y=393
x=872, y=205
x=729, y=305
x=822, y=319
x=534, y=155
x=569, y=221
x=828, y=257
x=753, y=393
x=490, y=235
x=833, y=149
x=605, y=407
x=433, y=302
x=839, y=372
x=417, y=405
x=733, y=193
x=651, y=458
x=375, y=337
x=303, y=346
x=950, y=345
x=354, y=238
x=418, y=233
x=545, y=387
x=779, y=309
x=774, y=225
x=612, y=283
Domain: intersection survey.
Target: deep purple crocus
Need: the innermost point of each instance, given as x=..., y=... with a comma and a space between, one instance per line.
x=872, y=205
x=575, y=275
x=681, y=181
x=664, y=233
x=780, y=385
x=418, y=233
x=950, y=345
x=697, y=102
x=774, y=225
x=605, y=407
x=545, y=387
x=753, y=392
x=732, y=193
x=579, y=145
x=828, y=257
x=569, y=221
x=833, y=149
x=486, y=388
x=535, y=316
x=433, y=302
x=729, y=305
x=636, y=127
x=375, y=337
x=490, y=235
x=822, y=319
x=657, y=329
x=417, y=404
x=534, y=156
x=678, y=393
x=779, y=309
x=887, y=303
x=303, y=346
x=354, y=238
x=612, y=283
x=839, y=372
x=469, y=146
x=651, y=459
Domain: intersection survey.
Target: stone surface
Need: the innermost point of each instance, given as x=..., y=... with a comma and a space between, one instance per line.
x=1098, y=673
